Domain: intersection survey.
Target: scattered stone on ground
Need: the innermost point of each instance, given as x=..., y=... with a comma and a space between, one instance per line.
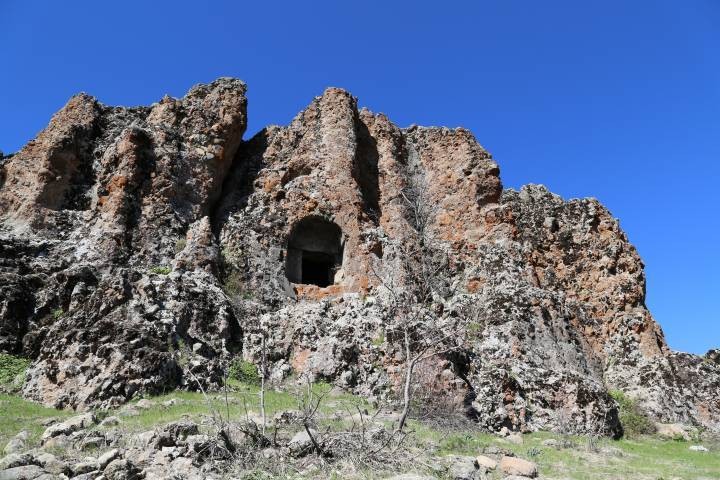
x=486, y=462
x=69, y=426
x=518, y=466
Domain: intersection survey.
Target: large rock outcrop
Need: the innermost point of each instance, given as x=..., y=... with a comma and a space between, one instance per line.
x=140, y=248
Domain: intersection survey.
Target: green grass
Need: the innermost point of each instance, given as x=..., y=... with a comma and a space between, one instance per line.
x=641, y=458
x=18, y=414
x=12, y=372
x=242, y=398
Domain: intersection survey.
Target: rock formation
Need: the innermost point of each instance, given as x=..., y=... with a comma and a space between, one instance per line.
x=141, y=247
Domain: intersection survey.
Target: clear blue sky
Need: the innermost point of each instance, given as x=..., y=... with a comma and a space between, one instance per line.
x=614, y=99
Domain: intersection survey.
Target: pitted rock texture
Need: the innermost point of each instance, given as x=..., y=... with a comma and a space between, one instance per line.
x=141, y=248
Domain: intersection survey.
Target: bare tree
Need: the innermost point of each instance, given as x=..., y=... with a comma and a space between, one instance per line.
x=415, y=286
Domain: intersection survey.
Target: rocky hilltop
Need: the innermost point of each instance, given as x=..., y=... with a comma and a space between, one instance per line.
x=140, y=247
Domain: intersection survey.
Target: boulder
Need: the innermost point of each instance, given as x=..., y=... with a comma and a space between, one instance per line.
x=518, y=466
x=92, y=475
x=60, y=442
x=173, y=433
x=672, y=431
x=86, y=466
x=121, y=469
x=515, y=438
x=69, y=426
x=145, y=404
x=301, y=444
x=26, y=472
x=16, y=460
x=51, y=463
x=462, y=468
x=110, y=421
x=92, y=443
x=410, y=476
x=107, y=457
x=183, y=467
x=486, y=462
x=18, y=443
x=15, y=445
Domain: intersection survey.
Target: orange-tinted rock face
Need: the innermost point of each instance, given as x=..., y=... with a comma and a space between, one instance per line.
x=153, y=228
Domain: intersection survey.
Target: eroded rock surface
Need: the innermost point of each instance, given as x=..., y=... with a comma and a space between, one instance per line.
x=140, y=248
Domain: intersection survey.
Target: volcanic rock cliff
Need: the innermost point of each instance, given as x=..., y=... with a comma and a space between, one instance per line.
x=128, y=235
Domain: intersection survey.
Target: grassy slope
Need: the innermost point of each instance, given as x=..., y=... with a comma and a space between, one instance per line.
x=17, y=414
x=645, y=458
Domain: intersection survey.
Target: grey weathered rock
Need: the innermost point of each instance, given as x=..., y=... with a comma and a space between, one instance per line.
x=91, y=475
x=15, y=445
x=92, y=443
x=184, y=468
x=26, y=472
x=172, y=434
x=462, y=468
x=145, y=404
x=301, y=443
x=410, y=476
x=121, y=469
x=51, y=463
x=69, y=426
x=86, y=466
x=107, y=457
x=515, y=438
x=698, y=448
x=60, y=442
x=110, y=421
x=13, y=460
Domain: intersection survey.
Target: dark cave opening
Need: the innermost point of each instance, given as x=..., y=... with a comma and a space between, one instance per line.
x=314, y=252
x=318, y=269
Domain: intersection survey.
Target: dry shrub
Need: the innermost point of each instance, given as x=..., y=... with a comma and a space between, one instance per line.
x=439, y=396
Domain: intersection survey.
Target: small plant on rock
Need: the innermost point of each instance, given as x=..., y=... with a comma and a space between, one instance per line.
x=160, y=270
x=180, y=245
x=57, y=313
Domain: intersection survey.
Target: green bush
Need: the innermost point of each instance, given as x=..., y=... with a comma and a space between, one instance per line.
x=633, y=418
x=12, y=372
x=57, y=313
x=160, y=270
x=244, y=372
